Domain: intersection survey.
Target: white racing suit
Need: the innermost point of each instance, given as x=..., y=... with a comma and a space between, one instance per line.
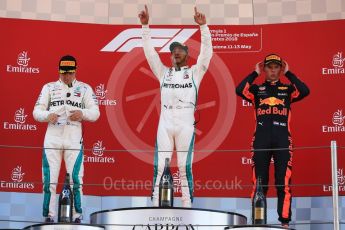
x=179, y=93
x=64, y=139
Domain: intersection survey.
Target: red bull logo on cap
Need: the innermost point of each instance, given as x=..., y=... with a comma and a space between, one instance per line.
x=272, y=101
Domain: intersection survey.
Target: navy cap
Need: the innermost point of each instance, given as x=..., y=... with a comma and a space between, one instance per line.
x=178, y=44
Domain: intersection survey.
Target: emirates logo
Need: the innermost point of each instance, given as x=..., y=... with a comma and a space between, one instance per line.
x=20, y=122
x=338, y=121
x=19, y=116
x=17, y=182
x=17, y=175
x=338, y=60
x=98, y=155
x=23, y=59
x=22, y=65
x=98, y=148
x=337, y=66
x=100, y=91
x=338, y=118
x=341, y=177
x=177, y=182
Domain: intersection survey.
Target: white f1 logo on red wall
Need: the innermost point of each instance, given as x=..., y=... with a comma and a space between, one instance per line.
x=131, y=38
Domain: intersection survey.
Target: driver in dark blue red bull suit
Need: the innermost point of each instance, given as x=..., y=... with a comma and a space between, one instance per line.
x=272, y=100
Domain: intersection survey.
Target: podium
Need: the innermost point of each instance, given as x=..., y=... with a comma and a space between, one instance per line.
x=166, y=218
x=61, y=226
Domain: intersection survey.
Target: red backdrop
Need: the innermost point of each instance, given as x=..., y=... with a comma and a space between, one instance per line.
x=129, y=97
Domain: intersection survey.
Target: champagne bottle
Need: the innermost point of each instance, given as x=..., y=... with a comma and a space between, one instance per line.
x=66, y=202
x=166, y=187
x=259, y=205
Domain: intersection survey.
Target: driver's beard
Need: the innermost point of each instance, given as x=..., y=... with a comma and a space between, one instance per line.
x=183, y=62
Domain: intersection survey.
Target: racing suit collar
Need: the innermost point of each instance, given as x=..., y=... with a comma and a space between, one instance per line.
x=179, y=68
x=270, y=83
x=69, y=86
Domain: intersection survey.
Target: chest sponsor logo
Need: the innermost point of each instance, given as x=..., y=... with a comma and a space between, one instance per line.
x=272, y=101
x=282, y=94
x=77, y=92
x=68, y=102
x=262, y=93
x=277, y=123
x=185, y=75
x=282, y=87
x=272, y=110
x=177, y=86
x=169, y=76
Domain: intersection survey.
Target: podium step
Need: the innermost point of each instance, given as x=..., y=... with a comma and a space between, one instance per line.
x=166, y=218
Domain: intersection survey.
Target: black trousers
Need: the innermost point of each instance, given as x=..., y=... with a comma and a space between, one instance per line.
x=261, y=160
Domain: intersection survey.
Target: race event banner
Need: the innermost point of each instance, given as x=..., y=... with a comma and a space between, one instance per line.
x=119, y=147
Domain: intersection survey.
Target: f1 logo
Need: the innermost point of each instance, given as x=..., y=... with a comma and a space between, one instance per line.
x=131, y=38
